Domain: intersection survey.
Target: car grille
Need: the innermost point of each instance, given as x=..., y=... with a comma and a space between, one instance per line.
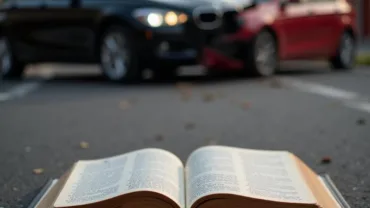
x=201, y=37
x=208, y=17
x=228, y=23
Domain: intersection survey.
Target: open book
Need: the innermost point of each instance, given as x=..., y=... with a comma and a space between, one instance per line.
x=214, y=176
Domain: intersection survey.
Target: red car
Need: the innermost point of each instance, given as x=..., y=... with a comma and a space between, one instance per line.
x=273, y=30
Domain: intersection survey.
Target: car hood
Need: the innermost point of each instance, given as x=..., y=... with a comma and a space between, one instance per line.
x=230, y=4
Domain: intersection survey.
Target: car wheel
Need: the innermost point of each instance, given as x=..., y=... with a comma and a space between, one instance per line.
x=10, y=68
x=117, y=55
x=344, y=59
x=262, y=55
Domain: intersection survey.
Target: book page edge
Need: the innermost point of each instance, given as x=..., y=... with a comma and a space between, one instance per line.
x=324, y=179
x=52, y=184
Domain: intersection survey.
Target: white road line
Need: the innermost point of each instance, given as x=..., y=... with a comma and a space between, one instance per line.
x=4, y=97
x=23, y=89
x=323, y=90
x=19, y=91
x=349, y=99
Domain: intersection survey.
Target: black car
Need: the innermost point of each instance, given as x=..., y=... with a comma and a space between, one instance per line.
x=125, y=36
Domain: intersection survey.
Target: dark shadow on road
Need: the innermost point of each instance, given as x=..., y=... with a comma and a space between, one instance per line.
x=84, y=79
x=79, y=84
x=199, y=79
x=79, y=79
x=302, y=72
x=309, y=72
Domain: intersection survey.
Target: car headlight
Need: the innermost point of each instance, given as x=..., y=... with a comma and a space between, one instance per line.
x=160, y=17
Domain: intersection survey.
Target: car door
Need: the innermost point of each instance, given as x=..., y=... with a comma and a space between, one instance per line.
x=23, y=22
x=67, y=30
x=50, y=30
x=327, y=26
x=295, y=27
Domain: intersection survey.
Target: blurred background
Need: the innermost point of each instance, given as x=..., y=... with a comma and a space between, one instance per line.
x=362, y=7
x=275, y=77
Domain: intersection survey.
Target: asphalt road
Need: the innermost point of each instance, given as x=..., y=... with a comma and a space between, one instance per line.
x=306, y=109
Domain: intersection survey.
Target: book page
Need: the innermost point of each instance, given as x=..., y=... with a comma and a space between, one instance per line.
x=268, y=175
x=143, y=170
x=211, y=170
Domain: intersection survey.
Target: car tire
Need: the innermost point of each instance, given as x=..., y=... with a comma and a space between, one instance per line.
x=118, y=55
x=261, y=55
x=345, y=55
x=10, y=67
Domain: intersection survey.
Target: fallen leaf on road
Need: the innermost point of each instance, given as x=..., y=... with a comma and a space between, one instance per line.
x=159, y=137
x=183, y=85
x=361, y=122
x=185, y=90
x=38, y=171
x=189, y=126
x=124, y=105
x=208, y=97
x=84, y=145
x=246, y=105
x=325, y=160
x=27, y=149
x=15, y=189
